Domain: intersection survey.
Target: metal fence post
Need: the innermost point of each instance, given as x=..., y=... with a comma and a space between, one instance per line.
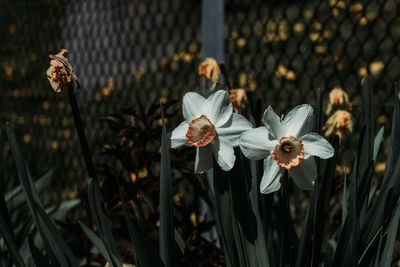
x=212, y=46
x=212, y=32
x=212, y=40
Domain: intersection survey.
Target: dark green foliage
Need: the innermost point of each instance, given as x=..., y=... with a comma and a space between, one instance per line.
x=145, y=254
x=166, y=205
x=37, y=256
x=102, y=223
x=109, y=255
x=7, y=232
x=56, y=246
x=343, y=224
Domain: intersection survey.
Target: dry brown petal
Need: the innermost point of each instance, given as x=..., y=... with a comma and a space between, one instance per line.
x=339, y=123
x=209, y=69
x=60, y=73
x=338, y=98
x=238, y=98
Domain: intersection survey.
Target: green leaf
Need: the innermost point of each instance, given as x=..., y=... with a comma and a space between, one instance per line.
x=144, y=252
x=344, y=200
x=346, y=253
x=53, y=236
x=322, y=208
x=166, y=203
x=368, y=116
x=61, y=211
x=351, y=254
x=377, y=256
x=223, y=213
x=319, y=111
x=377, y=142
x=56, y=246
x=304, y=250
x=369, y=250
x=16, y=197
x=98, y=243
x=179, y=240
x=260, y=246
x=38, y=258
x=387, y=253
x=101, y=220
x=305, y=245
x=381, y=207
x=8, y=235
x=394, y=147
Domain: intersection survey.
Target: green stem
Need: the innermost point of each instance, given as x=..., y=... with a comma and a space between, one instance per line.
x=81, y=133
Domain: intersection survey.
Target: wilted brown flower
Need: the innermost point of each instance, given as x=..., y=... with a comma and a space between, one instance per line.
x=339, y=123
x=337, y=98
x=238, y=98
x=60, y=72
x=209, y=69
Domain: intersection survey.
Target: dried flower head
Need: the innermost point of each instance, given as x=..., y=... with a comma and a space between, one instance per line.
x=60, y=72
x=210, y=70
x=337, y=98
x=339, y=123
x=238, y=98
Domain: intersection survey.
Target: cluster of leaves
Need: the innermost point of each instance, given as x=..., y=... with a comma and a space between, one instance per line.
x=133, y=168
x=366, y=233
x=129, y=215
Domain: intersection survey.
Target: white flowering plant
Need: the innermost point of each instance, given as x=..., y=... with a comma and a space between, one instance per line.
x=253, y=197
x=274, y=195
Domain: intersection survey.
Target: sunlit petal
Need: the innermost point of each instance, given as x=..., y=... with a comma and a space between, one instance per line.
x=178, y=136
x=255, y=143
x=231, y=131
x=272, y=175
x=192, y=105
x=224, y=154
x=299, y=120
x=273, y=123
x=316, y=145
x=218, y=108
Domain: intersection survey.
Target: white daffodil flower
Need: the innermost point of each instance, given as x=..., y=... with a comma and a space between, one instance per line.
x=212, y=127
x=286, y=144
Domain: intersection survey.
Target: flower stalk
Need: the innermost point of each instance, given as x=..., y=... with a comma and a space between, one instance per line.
x=81, y=132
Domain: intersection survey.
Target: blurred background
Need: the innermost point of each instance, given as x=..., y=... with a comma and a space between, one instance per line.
x=128, y=51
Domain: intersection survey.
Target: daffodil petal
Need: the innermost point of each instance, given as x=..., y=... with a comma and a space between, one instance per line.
x=224, y=154
x=316, y=145
x=304, y=174
x=255, y=143
x=192, y=105
x=178, y=135
x=231, y=131
x=203, y=160
x=273, y=123
x=299, y=121
x=270, y=181
x=218, y=108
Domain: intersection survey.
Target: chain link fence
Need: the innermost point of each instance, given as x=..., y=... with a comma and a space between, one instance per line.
x=126, y=51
